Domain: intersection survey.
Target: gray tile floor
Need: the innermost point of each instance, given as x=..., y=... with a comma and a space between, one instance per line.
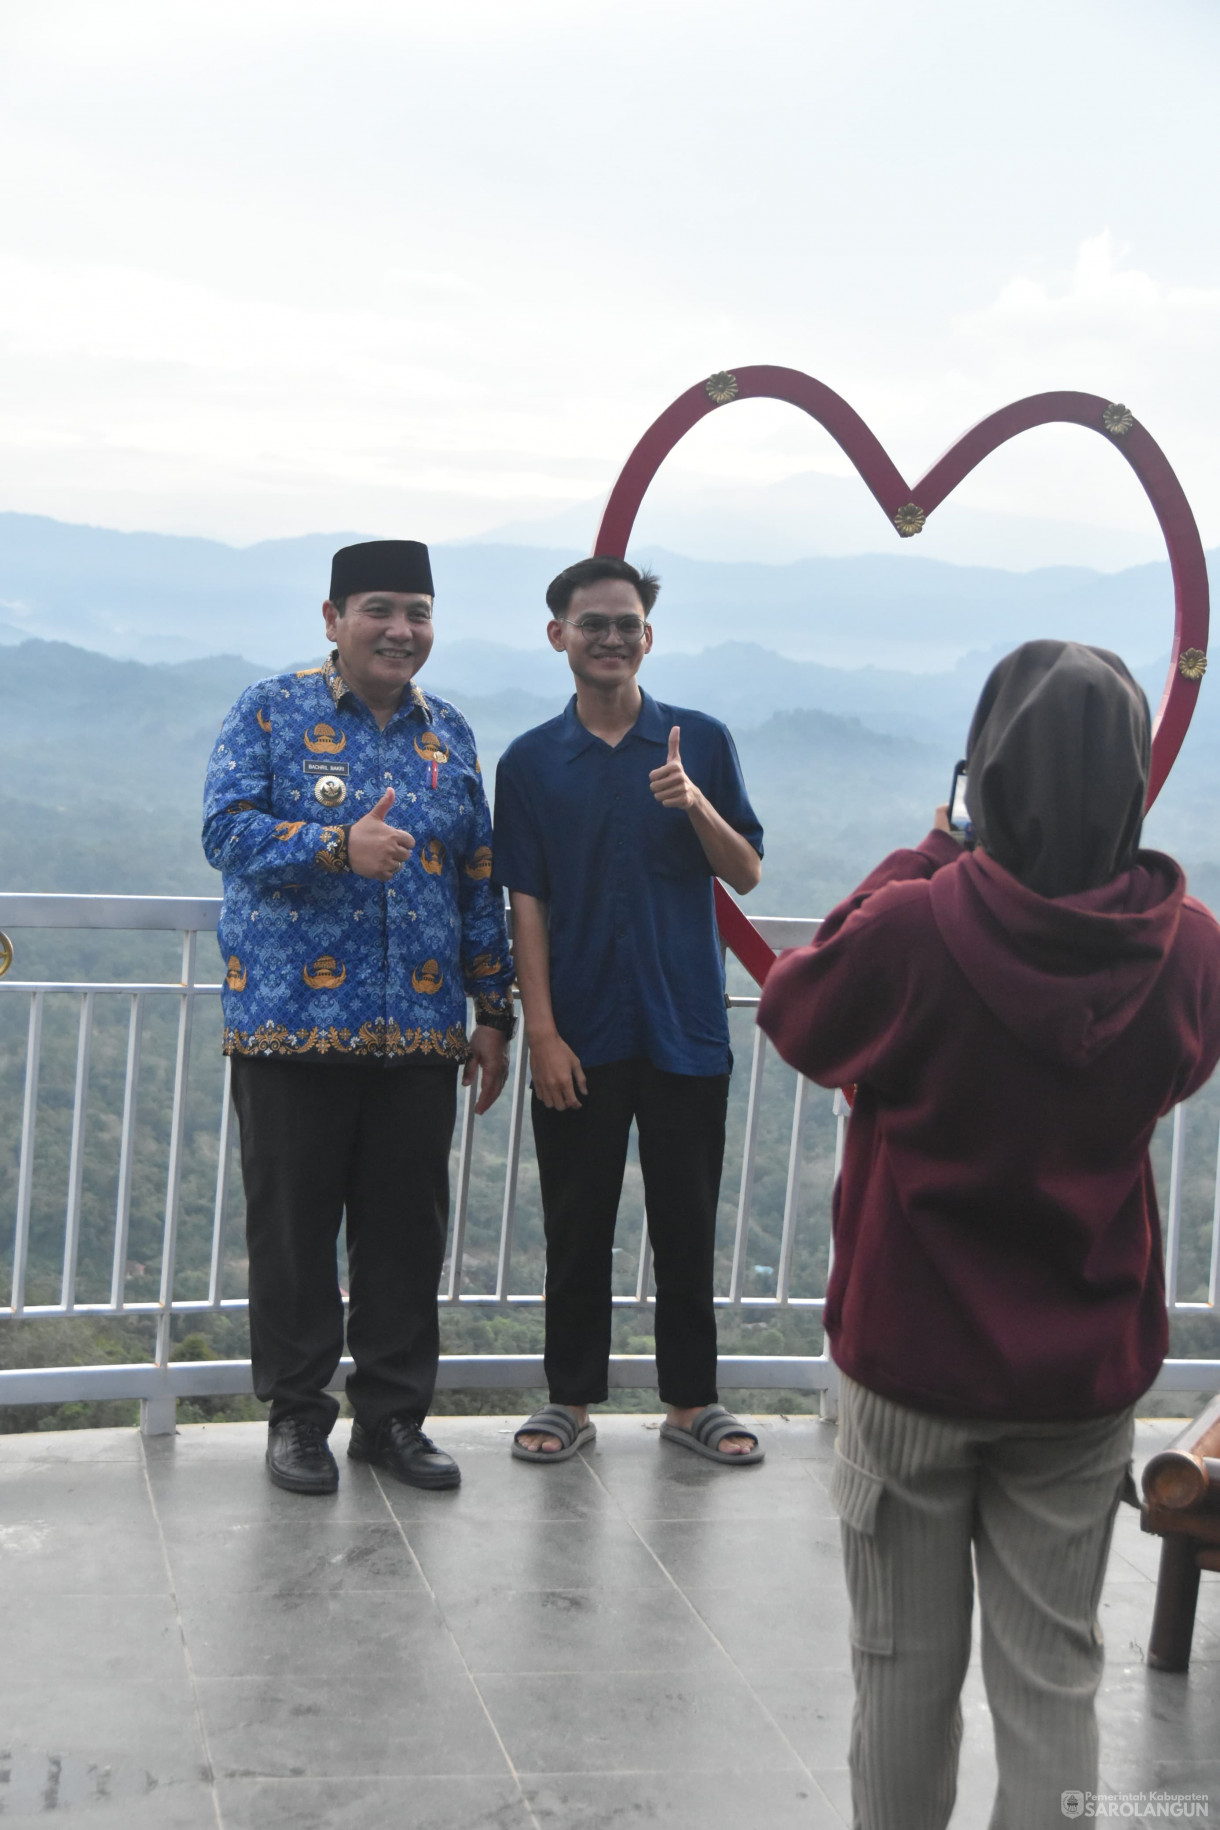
x=632, y=1638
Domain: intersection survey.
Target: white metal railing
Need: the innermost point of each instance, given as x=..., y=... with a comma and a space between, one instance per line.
x=160, y=1381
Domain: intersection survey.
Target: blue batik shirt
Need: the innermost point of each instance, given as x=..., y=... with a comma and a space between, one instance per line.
x=321, y=962
x=635, y=961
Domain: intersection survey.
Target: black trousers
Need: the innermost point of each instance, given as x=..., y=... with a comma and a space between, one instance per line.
x=318, y=1138
x=581, y=1158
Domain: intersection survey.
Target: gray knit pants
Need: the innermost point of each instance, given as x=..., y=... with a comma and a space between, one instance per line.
x=1036, y=1502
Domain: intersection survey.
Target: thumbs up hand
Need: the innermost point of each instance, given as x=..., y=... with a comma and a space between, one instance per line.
x=670, y=783
x=375, y=849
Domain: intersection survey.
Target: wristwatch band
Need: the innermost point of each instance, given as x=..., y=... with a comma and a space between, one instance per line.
x=503, y=1020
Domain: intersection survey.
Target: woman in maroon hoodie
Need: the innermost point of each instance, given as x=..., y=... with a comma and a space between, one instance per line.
x=1016, y=1017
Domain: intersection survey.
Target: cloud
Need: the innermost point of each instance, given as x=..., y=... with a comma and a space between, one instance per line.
x=138, y=398
x=1108, y=316
x=142, y=398
x=1106, y=327
x=152, y=373
x=278, y=267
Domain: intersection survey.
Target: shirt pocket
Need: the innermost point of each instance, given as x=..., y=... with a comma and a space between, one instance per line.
x=672, y=846
x=856, y=1496
x=443, y=812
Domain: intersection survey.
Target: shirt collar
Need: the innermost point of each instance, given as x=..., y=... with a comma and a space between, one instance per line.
x=653, y=725
x=650, y=726
x=333, y=680
x=339, y=690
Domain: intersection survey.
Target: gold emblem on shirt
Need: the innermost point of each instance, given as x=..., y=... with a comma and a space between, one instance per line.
x=428, y=978
x=432, y=857
x=263, y=722
x=429, y=746
x=331, y=790
x=325, y=974
x=286, y=828
x=324, y=740
x=235, y=977
x=484, y=966
x=478, y=864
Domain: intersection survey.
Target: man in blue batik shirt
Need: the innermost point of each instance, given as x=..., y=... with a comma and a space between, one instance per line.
x=346, y=810
x=611, y=822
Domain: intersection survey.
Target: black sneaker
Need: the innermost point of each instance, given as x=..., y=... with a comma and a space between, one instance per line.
x=298, y=1458
x=398, y=1445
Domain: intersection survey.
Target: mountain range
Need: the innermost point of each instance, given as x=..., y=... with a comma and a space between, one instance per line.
x=848, y=683
x=104, y=764
x=104, y=760
x=161, y=597
x=813, y=512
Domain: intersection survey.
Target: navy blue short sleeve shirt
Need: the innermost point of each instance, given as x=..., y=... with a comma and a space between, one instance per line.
x=636, y=968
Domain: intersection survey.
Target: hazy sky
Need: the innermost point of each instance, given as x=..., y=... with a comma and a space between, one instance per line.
x=272, y=267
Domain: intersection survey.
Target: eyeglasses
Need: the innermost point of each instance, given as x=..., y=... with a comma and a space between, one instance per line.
x=630, y=628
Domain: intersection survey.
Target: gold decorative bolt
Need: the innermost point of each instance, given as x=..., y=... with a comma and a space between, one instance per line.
x=721, y=387
x=1117, y=419
x=1192, y=663
x=910, y=519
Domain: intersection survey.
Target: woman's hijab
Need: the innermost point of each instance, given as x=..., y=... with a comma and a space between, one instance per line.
x=1057, y=766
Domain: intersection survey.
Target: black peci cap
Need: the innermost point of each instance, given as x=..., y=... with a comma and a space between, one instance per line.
x=381, y=565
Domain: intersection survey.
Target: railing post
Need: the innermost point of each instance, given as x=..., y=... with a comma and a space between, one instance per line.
x=1173, y=1217
x=25, y=1169
x=828, y=1403
x=159, y=1416
x=748, y=1151
x=645, y=1268
x=792, y=1193
x=76, y=1158
x=127, y=1135
x=828, y=1398
x=513, y=1165
x=220, y=1211
x=461, y=1204
x=1213, y=1274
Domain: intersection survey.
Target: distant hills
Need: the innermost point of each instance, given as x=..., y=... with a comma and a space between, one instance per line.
x=741, y=682
x=104, y=763
x=159, y=597
x=692, y=511
x=849, y=684
x=104, y=760
x=81, y=726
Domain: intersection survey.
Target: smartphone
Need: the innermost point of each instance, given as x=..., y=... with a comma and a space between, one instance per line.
x=959, y=818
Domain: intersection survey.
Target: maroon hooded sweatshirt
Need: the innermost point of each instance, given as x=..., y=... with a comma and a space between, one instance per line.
x=997, y=1241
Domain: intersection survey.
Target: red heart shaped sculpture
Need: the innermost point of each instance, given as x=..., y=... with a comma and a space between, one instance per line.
x=908, y=506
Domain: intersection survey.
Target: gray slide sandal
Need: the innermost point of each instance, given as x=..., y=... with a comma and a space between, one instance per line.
x=708, y=1428
x=553, y=1420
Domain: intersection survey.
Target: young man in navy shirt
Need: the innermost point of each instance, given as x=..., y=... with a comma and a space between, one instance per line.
x=611, y=822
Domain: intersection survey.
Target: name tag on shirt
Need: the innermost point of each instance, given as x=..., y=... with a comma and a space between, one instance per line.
x=326, y=768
